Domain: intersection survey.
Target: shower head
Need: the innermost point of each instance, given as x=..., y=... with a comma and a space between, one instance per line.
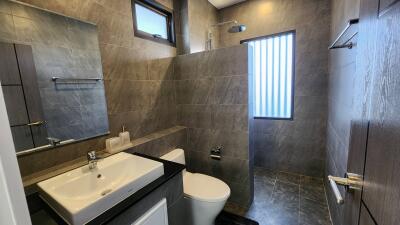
x=237, y=28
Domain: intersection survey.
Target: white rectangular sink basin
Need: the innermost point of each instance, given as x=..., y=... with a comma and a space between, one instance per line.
x=80, y=195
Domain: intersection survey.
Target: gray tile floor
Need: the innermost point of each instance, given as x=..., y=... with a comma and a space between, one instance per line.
x=282, y=198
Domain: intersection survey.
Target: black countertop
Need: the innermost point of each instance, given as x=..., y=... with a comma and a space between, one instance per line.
x=170, y=170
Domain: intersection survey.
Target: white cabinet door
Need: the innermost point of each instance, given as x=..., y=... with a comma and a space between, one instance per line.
x=158, y=215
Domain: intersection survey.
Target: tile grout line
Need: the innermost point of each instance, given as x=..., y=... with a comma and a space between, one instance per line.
x=298, y=219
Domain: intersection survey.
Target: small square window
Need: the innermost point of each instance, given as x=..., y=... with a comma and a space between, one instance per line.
x=153, y=21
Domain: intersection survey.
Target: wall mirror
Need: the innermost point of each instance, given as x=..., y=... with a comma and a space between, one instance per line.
x=51, y=76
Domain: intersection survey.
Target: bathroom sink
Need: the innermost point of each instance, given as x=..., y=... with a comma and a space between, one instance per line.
x=82, y=194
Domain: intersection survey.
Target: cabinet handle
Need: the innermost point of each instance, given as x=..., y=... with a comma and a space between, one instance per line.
x=37, y=123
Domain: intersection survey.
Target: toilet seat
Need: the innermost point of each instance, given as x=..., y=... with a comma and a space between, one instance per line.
x=205, y=188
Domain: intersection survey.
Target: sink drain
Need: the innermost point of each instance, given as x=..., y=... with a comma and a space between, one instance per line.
x=106, y=192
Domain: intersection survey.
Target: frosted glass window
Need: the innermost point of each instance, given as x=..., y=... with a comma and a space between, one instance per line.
x=151, y=22
x=273, y=67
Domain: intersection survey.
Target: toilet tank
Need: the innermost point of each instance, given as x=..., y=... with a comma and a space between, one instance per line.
x=176, y=155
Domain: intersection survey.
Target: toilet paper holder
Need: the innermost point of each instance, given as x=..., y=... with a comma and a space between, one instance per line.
x=215, y=153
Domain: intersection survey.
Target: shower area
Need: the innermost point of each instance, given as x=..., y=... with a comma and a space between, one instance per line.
x=271, y=127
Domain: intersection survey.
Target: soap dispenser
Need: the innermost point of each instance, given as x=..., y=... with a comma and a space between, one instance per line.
x=124, y=137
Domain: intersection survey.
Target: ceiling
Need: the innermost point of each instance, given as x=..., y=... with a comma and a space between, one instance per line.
x=219, y=4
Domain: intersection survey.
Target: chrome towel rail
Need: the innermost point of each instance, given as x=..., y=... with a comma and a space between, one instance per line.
x=55, y=79
x=347, y=44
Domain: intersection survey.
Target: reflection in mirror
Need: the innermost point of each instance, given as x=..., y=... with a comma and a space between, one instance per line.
x=51, y=75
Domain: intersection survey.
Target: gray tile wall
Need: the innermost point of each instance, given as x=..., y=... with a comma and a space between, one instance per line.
x=62, y=47
x=162, y=142
x=299, y=145
x=342, y=101
x=194, y=19
x=201, y=15
x=212, y=98
x=138, y=88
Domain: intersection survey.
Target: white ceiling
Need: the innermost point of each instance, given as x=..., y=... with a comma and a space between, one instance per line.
x=219, y=4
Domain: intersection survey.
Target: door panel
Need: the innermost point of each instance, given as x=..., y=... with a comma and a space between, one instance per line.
x=15, y=102
x=9, y=74
x=356, y=160
x=381, y=180
x=365, y=218
x=366, y=42
x=22, y=138
x=29, y=81
x=31, y=91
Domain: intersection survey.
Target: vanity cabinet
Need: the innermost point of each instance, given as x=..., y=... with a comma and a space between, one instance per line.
x=21, y=95
x=158, y=215
x=171, y=192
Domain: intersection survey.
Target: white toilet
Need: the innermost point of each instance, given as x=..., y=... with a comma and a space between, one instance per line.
x=205, y=196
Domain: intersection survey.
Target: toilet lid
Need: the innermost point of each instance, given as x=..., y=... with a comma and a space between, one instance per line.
x=205, y=188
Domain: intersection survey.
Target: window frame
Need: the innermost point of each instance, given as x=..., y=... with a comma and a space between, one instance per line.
x=293, y=32
x=161, y=10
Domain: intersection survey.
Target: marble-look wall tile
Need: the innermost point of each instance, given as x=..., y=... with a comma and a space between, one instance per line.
x=62, y=47
x=195, y=116
x=201, y=15
x=212, y=98
x=161, y=142
x=134, y=69
x=298, y=145
x=231, y=117
x=202, y=140
x=161, y=69
x=197, y=91
x=230, y=90
x=7, y=30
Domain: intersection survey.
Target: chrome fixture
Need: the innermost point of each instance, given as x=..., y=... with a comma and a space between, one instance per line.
x=347, y=44
x=37, y=123
x=55, y=79
x=235, y=28
x=44, y=147
x=215, y=153
x=53, y=141
x=92, y=159
x=351, y=182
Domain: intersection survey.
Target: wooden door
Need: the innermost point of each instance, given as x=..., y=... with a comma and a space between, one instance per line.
x=375, y=134
x=381, y=194
x=20, y=86
x=31, y=91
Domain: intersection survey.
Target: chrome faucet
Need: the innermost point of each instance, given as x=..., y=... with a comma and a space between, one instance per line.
x=92, y=160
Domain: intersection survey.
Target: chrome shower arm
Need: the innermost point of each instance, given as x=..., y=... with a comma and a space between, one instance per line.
x=223, y=23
